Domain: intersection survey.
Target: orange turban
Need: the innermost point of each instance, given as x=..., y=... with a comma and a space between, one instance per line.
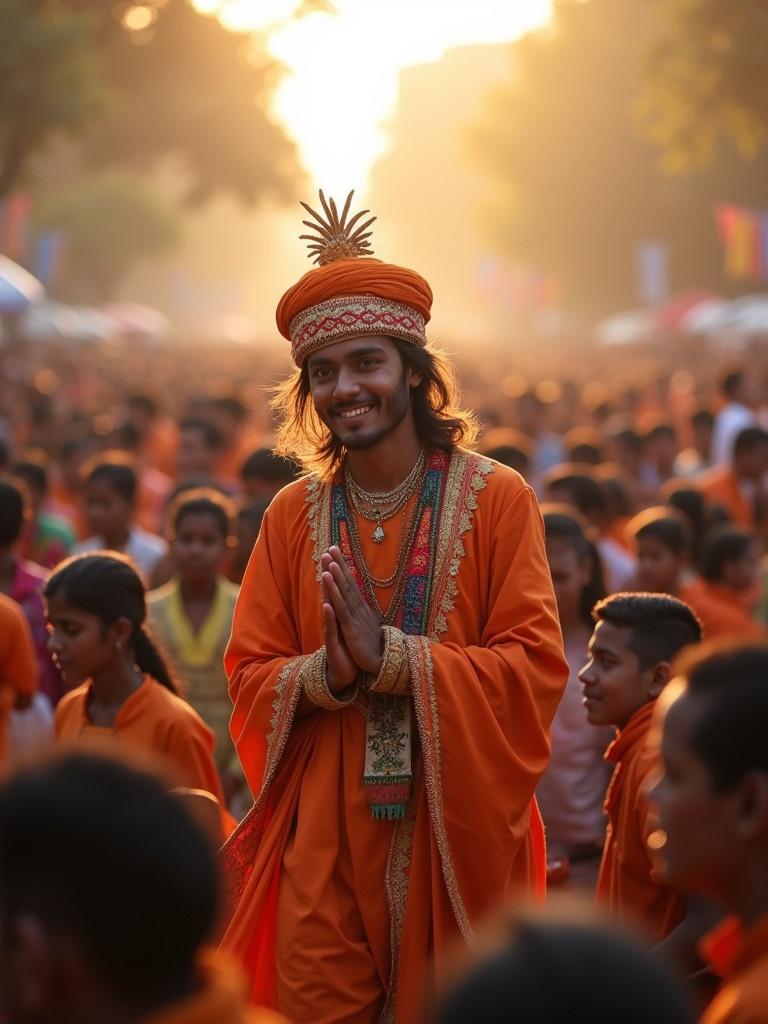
x=353, y=297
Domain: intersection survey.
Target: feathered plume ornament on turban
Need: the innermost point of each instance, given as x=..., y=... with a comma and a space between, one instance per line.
x=350, y=294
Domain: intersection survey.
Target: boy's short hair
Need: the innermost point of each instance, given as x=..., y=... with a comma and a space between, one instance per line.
x=730, y=733
x=723, y=544
x=115, y=468
x=661, y=626
x=14, y=502
x=205, y=501
x=265, y=464
x=663, y=525
x=582, y=487
x=209, y=432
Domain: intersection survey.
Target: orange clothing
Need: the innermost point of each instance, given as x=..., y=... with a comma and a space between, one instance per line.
x=152, y=494
x=152, y=720
x=741, y=959
x=160, y=446
x=332, y=910
x=232, y=458
x=722, y=612
x=71, y=505
x=720, y=486
x=221, y=1000
x=18, y=665
x=626, y=884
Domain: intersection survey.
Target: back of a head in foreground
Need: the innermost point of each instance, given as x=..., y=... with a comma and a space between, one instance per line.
x=562, y=972
x=729, y=683
x=108, y=863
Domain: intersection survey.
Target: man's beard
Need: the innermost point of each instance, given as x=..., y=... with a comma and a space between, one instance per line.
x=397, y=408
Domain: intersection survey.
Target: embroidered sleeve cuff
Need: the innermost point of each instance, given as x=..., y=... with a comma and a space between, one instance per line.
x=313, y=679
x=394, y=675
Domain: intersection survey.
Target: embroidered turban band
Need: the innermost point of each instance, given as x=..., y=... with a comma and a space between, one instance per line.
x=350, y=298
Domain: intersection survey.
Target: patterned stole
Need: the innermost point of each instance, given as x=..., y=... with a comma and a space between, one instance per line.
x=388, y=772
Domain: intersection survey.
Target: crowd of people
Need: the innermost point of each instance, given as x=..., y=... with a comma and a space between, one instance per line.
x=137, y=610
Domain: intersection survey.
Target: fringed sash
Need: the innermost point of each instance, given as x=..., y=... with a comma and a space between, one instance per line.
x=388, y=737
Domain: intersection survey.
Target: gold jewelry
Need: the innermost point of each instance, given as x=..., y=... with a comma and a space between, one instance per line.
x=335, y=238
x=314, y=679
x=392, y=662
x=368, y=504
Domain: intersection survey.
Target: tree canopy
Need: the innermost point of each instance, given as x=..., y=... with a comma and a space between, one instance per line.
x=181, y=85
x=707, y=79
x=578, y=184
x=110, y=222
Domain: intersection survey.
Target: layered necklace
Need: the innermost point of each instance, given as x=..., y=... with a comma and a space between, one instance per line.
x=368, y=505
x=379, y=506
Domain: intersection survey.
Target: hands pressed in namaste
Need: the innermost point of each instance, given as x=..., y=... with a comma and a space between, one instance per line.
x=352, y=633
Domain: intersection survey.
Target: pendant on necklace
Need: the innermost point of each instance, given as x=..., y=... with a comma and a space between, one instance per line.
x=378, y=534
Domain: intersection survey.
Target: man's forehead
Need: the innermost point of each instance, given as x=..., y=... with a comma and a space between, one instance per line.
x=350, y=349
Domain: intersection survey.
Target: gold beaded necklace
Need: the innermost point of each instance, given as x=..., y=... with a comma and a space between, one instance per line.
x=372, y=505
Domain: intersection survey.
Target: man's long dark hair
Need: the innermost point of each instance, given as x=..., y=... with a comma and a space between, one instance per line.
x=440, y=422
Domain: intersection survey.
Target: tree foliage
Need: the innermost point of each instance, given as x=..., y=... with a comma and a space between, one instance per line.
x=110, y=223
x=707, y=79
x=49, y=79
x=184, y=87
x=577, y=182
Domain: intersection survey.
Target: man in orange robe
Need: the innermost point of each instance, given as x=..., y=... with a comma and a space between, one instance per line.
x=18, y=667
x=395, y=664
x=108, y=895
x=712, y=801
x=635, y=638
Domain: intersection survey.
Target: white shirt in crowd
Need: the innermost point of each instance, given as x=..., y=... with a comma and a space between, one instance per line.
x=729, y=422
x=571, y=791
x=146, y=549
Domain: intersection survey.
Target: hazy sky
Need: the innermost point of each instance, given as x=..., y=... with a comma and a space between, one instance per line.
x=343, y=68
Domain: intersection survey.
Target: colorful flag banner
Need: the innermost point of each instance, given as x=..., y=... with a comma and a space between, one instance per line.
x=48, y=249
x=743, y=233
x=14, y=221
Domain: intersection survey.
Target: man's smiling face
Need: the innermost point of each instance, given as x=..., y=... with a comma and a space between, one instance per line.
x=360, y=389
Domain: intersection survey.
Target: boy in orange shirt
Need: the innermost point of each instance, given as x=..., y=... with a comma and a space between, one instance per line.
x=636, y=636
x=713, y=813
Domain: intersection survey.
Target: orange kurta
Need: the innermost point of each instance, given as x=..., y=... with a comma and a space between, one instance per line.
x=720, y=486
x=626, y=884
x=722, y=612
x=741, y=959
x=155, y=721
x=219, y=1001
x=18, y=665
x=332, y=908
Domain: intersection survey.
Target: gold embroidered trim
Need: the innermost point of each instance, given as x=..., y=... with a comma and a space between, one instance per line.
x=313, y=679
x=319, y=517
x=237, y=856
x=389, y=679
x=428, y=722
x=352, y=316
x=467, y=476
x=396, y=879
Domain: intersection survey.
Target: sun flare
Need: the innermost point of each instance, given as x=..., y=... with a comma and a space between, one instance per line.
x=343, y=68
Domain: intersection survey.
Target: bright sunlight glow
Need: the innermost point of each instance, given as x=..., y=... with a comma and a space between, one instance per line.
x=343, y=68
